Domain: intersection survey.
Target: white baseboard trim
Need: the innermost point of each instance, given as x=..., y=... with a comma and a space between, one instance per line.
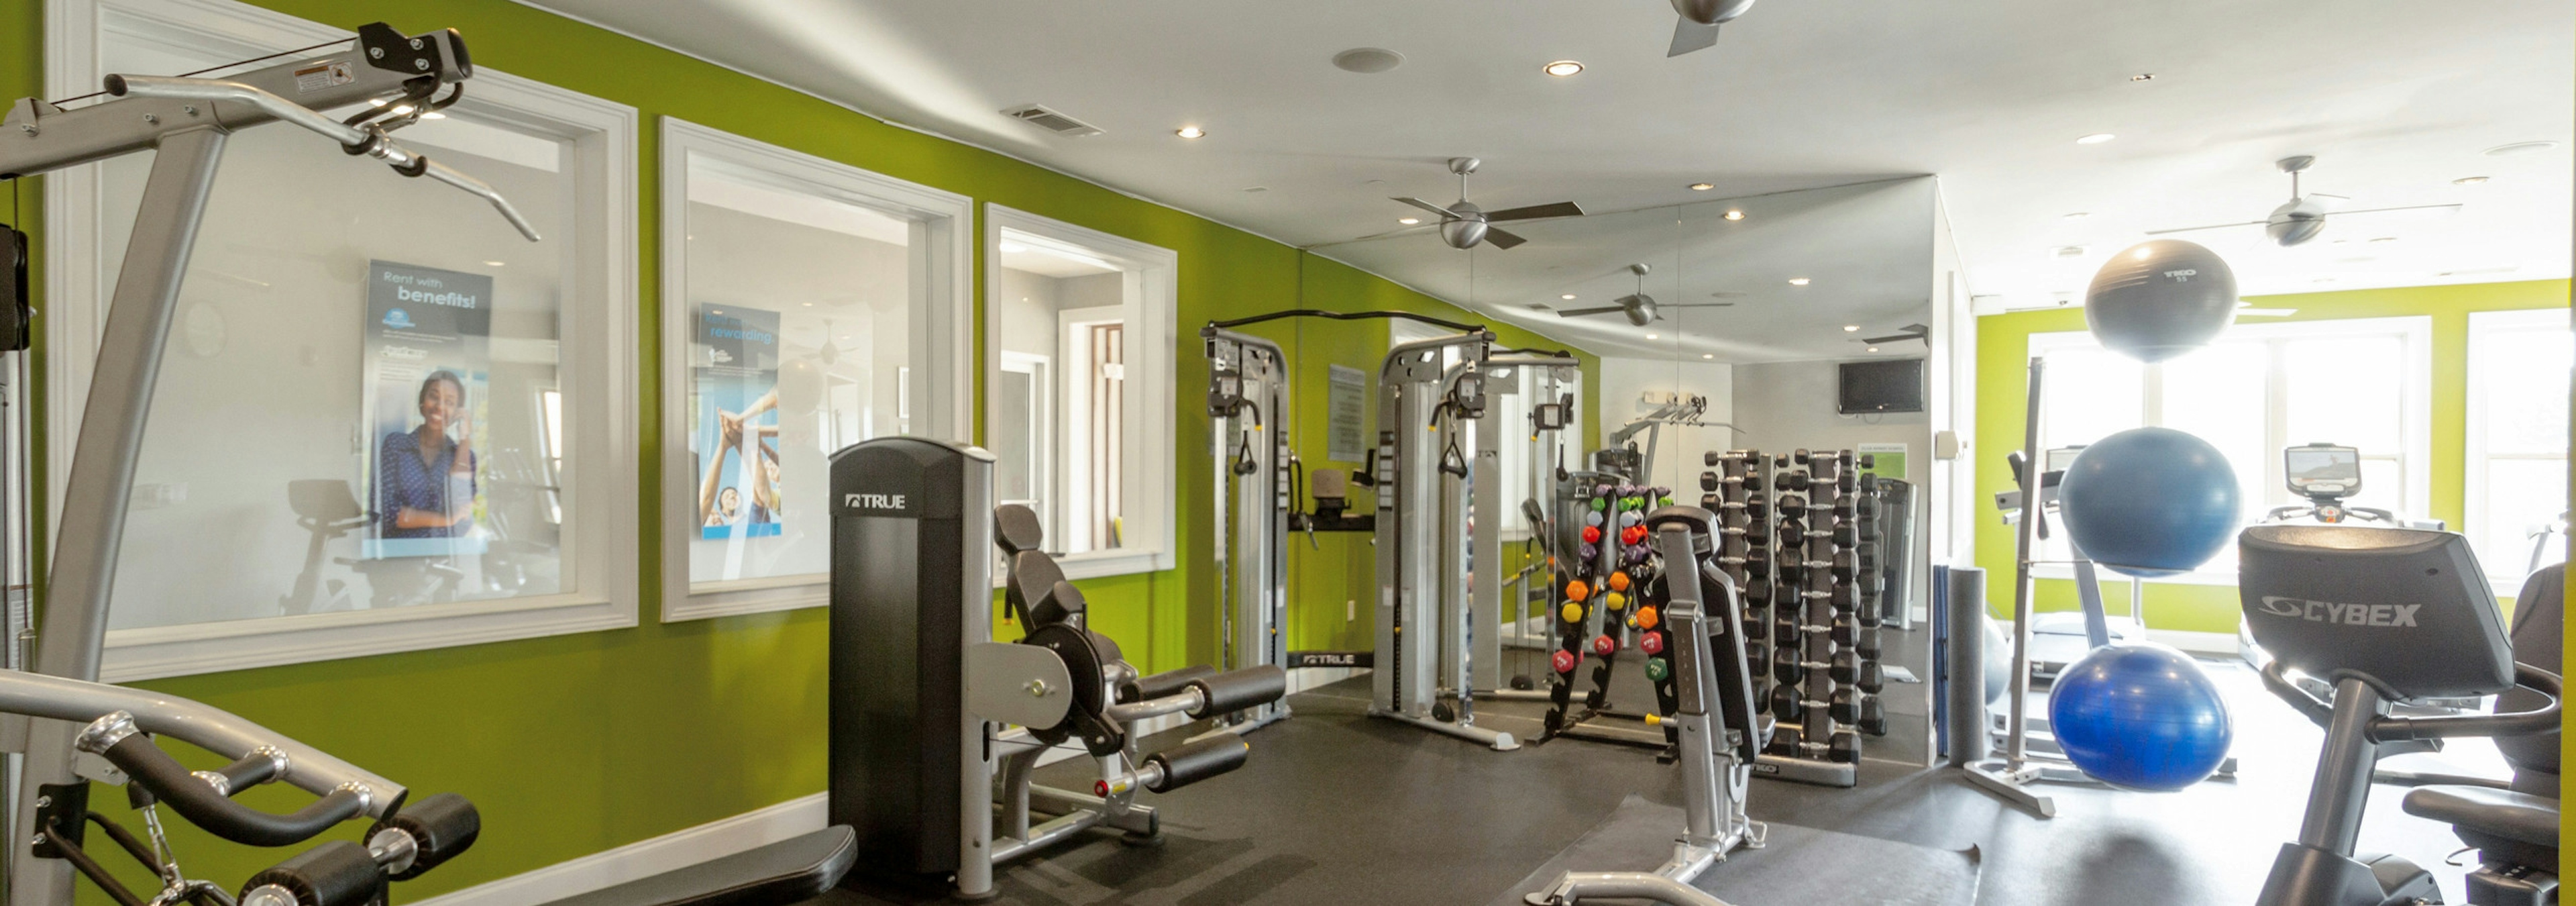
x=643, y=858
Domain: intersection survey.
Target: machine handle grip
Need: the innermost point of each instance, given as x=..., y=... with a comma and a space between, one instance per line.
x=114, y=738
x=1196, y=761
x=2316, y=710
x=1168, y=682
x=2517, y=723
x=1235, y=690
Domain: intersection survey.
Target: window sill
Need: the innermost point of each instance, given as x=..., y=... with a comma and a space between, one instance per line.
x=1100, y=564
x=165, y=651
x=736, y=597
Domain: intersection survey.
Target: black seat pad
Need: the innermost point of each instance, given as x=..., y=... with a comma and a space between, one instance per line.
x=789, y=871
x=2509, y=826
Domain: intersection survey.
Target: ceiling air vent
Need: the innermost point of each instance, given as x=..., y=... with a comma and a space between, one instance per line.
x=1051, y=121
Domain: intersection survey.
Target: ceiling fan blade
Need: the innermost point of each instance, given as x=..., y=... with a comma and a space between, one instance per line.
x=1695, y=305
x=2413, y=207
x=1897, y=337
x=2214, y=226
x=1689, y=36
x=1427, y=206
x=1579, y=312
x=1559, y=209
x=1502, y=240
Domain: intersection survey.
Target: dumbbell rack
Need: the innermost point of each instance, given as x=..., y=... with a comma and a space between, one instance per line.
x=1800, y=536
x=1604, y=587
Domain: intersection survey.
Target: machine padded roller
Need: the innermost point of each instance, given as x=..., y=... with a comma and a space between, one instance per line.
x=1193, y=762
x=1168, y=682
x=1017, y=529
x=1235, y=690
x=441, y=826
x=338, y=873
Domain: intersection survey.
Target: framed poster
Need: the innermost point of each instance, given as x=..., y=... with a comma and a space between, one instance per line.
x=734, y=405
x=1346, y=427
x=1886, y=460
x=427, y=358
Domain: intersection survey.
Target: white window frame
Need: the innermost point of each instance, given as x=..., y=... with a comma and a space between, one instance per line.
x=599, y=535
x=2483, y=324
x=1151, y=311
x=942, y=343
x=1042, y=381
x=2415, y=419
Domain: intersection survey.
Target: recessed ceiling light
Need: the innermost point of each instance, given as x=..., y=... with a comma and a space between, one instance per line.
x=1190, y=132
x=1799, y=281
x=1654, y=336
x=1735, y=215
x=2096, y=138
x=2520, y=148
x=2143, y=77
x=1851, y=328
x=2470, y=181
x=1408, y=221
x=1562, y=68
x=810, y=304
x=1702, y=186
x=2385, y=239
x=1367, y=60
x=1708, y=355
x=1567, y=297
x=495, y=264
x=1873, y=349
x=2079, y=215
x=433, y=115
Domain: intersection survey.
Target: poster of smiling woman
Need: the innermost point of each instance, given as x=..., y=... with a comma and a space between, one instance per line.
x=428, y=364
x=735, y=410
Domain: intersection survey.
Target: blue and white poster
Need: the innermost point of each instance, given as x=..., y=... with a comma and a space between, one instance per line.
x=428, y=365
x=734, y=407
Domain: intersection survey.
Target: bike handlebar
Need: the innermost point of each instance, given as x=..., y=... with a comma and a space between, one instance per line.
x=2388, y=728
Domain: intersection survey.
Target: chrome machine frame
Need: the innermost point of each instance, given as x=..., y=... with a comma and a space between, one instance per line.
x=1248, y=422
x=185, y=122
x=1425, y=634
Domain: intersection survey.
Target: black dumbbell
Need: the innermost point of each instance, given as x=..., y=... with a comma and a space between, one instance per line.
x=1844, y=565
x=1872, y=677
x=1846, y=534
x=1842, y=631
x=1784, y=741
x=1846, y=506
x=1846, y=598
x=1790, y=481
x=1844, y=705
x=1793, y=533
x=1846, y=667
x=1793, y=502
x=1866, y=642
x=1800, y=457
x=1785, y=704
x=1849, y=482
x=1753, y=482
x=1784, y=663
x=1712, y=458
x=1873, y=717
x=1708, y=481
x=1844, y=749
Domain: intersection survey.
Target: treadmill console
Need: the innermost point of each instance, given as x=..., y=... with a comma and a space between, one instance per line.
x=2322, y=471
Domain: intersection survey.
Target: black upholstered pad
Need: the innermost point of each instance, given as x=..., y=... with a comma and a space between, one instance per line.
x=788, y=871
x=1016, y=528
x=2508, y=826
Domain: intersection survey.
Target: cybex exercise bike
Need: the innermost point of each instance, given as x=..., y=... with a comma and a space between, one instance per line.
x=2390, y=615
x=933, y=725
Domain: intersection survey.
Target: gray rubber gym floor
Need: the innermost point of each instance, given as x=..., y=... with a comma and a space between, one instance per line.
x=1335, y=807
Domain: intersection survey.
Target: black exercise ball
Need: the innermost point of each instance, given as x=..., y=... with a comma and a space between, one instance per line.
x=2159, y=299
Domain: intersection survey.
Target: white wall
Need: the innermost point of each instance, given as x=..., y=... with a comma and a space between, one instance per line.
x=1625, y=381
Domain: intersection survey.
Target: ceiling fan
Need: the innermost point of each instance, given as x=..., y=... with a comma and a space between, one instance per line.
x=2304, y=216
x=1462, y=225
x=1908, y=332
x=1700, y=20
x=1640, y=308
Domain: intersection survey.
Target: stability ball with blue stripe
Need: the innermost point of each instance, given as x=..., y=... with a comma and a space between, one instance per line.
x=2150, y=502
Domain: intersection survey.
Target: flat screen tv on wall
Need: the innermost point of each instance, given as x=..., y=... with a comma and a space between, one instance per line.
x=1885, y=385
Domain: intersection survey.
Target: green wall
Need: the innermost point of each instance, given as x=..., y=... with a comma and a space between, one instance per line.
x=576, y=744
x=2003, y=390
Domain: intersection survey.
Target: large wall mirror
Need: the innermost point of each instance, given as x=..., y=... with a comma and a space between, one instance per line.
x=1079, y=388
x=808, y=306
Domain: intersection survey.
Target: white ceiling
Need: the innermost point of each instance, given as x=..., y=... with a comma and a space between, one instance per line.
x=2396, y=99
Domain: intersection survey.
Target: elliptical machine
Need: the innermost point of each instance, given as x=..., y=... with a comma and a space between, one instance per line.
x=2391, y=615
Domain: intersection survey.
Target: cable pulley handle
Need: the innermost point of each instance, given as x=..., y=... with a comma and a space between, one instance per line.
x=117, y=739
x=370, y=141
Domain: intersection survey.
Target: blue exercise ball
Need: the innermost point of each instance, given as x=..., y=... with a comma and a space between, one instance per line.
x=2159, y=299
x=2150, y=502
x=2142, y=716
